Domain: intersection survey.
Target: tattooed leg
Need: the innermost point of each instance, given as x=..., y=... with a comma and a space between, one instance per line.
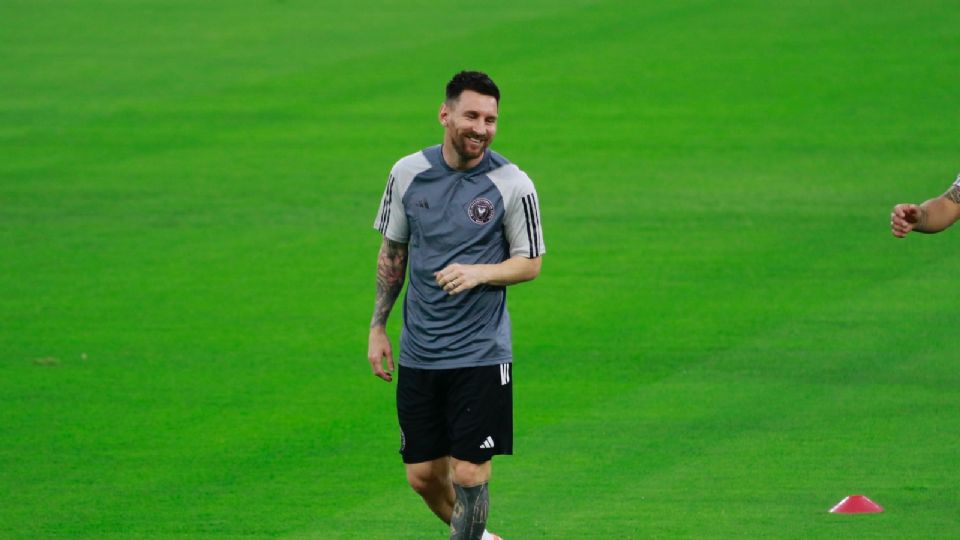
x=470, y=512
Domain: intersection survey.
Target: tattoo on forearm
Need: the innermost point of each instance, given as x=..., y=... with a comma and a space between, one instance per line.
x=391, y=268
x=953, y=194
x=922, y=221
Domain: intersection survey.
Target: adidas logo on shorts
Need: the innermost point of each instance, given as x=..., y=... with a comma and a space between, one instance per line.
x=487, y=443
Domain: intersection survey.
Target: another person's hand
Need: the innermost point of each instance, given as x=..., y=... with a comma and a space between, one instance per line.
x=904, y=218
x=378, y=351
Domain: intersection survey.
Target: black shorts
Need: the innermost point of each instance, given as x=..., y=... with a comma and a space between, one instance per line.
x=466, y=413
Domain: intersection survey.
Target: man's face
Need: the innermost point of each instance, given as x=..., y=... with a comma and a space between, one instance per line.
x=470, y=123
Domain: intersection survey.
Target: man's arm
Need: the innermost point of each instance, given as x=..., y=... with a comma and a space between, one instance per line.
x=391, y=269
x=456, y=278
x=932, y=216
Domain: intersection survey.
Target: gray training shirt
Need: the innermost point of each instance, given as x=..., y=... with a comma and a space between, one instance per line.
x=483, y=215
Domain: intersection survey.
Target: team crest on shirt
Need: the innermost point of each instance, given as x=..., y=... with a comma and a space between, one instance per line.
x=480, y=211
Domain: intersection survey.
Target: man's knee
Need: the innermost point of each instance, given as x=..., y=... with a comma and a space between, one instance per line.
x=420, y=483
x=428, y=477
x=467, y=473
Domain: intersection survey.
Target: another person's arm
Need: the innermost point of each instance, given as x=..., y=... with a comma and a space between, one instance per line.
x=932, y=216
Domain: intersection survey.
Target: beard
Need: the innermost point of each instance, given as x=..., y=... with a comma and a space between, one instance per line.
x=469, y=149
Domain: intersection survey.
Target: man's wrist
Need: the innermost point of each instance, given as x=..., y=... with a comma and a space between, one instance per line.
x=922, y=221
x=486, y=274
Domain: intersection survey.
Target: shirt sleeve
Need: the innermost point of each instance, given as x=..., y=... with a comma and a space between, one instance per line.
x=522, y=221
x=391, y=219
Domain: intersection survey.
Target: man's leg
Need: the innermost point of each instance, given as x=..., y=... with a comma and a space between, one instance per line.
x=432, y=481
x=469, y=519
x=481, y=426
x=422, y=416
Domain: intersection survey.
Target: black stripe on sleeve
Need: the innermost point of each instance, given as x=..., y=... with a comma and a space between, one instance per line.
x=526, y=213
x=537, y=233
x=385, y=211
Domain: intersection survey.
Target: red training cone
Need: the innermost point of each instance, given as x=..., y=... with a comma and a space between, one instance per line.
x=856, y=504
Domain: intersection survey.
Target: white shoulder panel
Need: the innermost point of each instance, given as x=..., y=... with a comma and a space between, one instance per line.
x=391, y=219
x=522, y=211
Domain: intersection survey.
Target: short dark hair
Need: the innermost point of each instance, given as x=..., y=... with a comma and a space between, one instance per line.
x=477, y=81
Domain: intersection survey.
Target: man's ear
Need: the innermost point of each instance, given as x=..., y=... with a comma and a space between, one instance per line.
x=444, y=114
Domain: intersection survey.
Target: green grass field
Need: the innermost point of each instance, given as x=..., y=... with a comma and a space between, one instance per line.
x=725, y=340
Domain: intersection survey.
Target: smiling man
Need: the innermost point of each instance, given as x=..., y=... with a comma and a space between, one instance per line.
x=468, y=222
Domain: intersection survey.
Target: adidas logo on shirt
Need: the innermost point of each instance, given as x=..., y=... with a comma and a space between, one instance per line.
x=487, y=443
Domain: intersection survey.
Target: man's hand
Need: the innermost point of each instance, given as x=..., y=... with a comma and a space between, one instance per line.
x=905, y=218
x=379, y=350
x=456, y=278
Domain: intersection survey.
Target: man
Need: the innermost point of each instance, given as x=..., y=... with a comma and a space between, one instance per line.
x=932, y=216
x=468, y=222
